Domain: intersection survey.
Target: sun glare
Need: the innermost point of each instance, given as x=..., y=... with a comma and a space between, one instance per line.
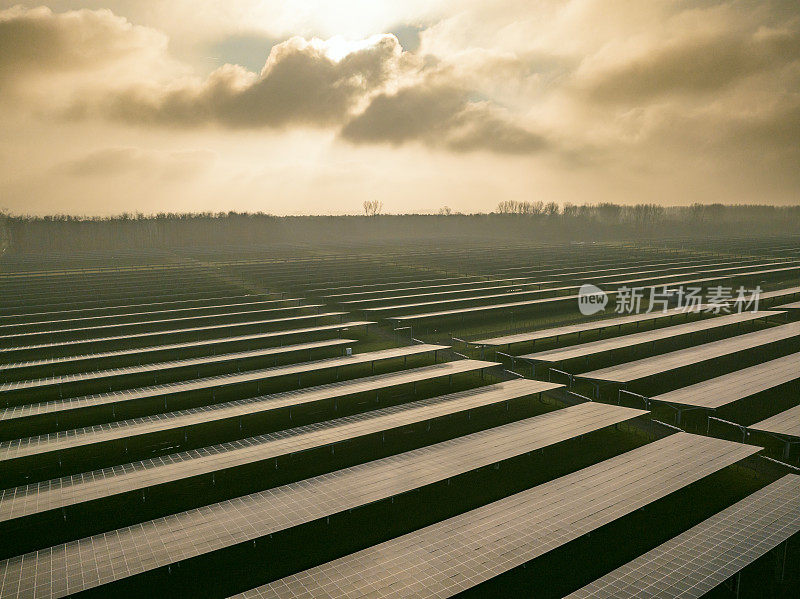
x=337, y=47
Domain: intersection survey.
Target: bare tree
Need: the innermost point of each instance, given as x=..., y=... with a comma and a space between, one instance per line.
x=551, y=209
x=373, y=207
x=506, y=207
x=445, y=211
x=513, y=207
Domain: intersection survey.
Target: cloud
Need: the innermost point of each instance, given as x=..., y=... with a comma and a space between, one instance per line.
x=362, y=86
x=415, y=112
x=690, y=65
x=38, y=42
x=439, y=115
x=603, y=100
x=302, y=83
x=325, y=84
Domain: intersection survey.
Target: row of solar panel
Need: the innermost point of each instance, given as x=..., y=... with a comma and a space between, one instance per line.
x=67, y=320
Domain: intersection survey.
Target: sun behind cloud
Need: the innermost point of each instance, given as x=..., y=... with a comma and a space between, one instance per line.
x=570, y=102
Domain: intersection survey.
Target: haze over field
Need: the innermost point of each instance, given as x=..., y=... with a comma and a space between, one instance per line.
x=310, y=107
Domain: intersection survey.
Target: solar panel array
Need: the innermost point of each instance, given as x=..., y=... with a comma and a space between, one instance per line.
x=171, y=333
x=151, y=324
x=551, y=302
x=56, y=494
x=209, y=383
x=122, y=309
x=639, y=369
x=644, y=284
x=156, y=367
x=63, y=441
x=459, y=553
x=355, y=293
x=658, y=276
x=135, y=315
x=585, y=350
x=205, y=345
x=582, y=327
x=83, y=564
x=695, y=562
x=162, y=413
x=728, y=388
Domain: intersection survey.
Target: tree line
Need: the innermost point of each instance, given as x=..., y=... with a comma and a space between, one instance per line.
x=511, y=219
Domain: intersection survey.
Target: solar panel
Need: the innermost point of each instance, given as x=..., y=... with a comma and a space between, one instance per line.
x=487, y=308
x=461, y=552
x=375, y=289
x=100, y=297
x=77, y=311
x=693, y=563
x=215, y=327
x=12, y=337
x=69, y=490
x=639, y=369
x=377, y=311
x=558, y=272
x=786, y=291
x=213, y=382
x=64, y=441
x=155, y=367
x=689, y=263
x=615, y=283
x=4, y=368
x=581, y=327
x=220, y=310
x=728, y=388
x=787, y=423
x=594, y=275
x=592, y=348
x=452, y=288
x=386, y=286
x=536, y=302
x=93, y=561
x=515, y=284
x=663, y=279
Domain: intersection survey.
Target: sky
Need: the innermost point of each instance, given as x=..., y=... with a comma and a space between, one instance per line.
x=313, y=107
